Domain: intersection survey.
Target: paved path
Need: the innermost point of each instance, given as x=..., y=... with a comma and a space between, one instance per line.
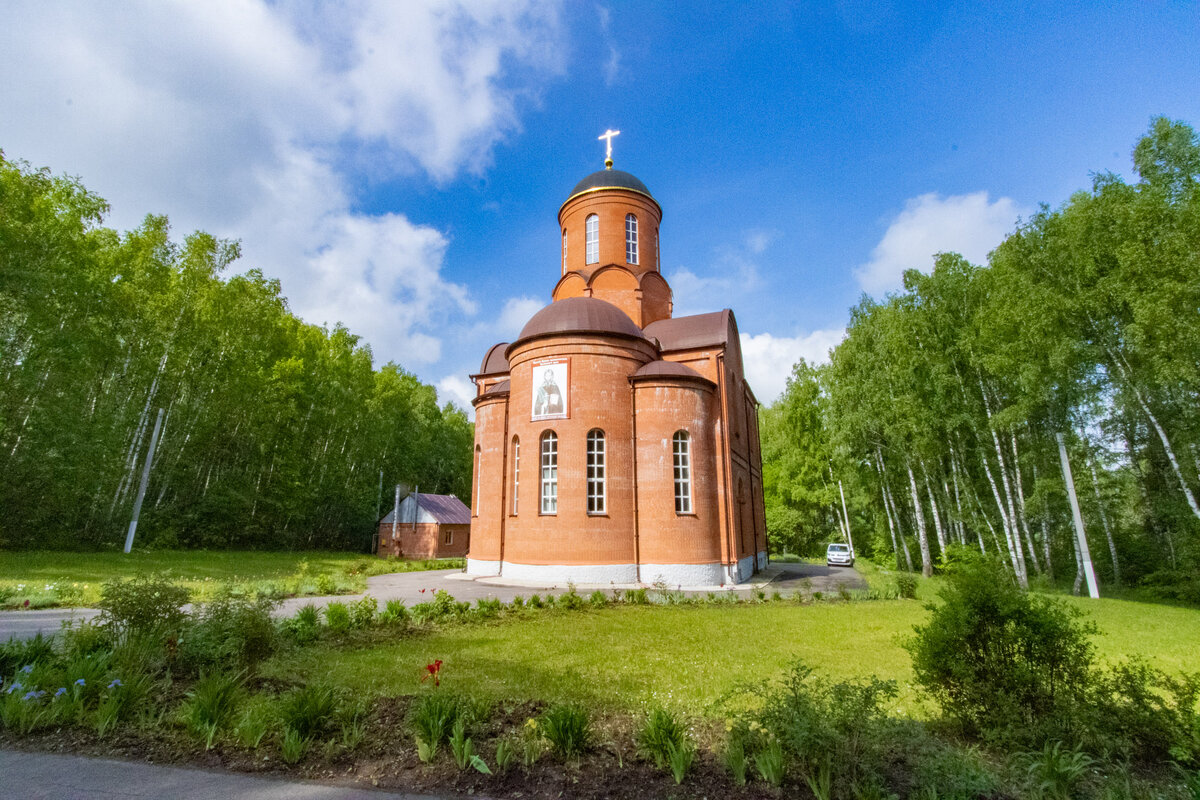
x=42, y=776
x=419, y=587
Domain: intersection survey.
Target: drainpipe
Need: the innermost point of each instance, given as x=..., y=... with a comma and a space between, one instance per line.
x=503, y=490
x=728, y=468
x=637, y=552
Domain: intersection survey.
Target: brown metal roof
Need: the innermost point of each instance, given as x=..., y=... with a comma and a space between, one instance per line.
x=669, y=369
x=580, y=315
x=494, y=362
x=445, y=508
x=502, y=387
x=698, y=330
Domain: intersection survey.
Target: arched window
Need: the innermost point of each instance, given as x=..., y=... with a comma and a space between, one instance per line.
x=631, y=247
x=478, y=478
x=564, y=251
x=592, y=238
x=682, y=458
x=595, y=472
x=516, y=484
x=549, y=472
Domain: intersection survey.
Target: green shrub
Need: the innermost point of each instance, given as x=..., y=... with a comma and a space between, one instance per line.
x=432, y=721
x=293, y=746
x=255, y=722
x=362, y=612
x=679, y=759
x=229, y=632
x=325, y=583
x=769, y=763
x=504, y=755
x=535, y=601
x=394, y=613
x=598, y=599
x=145, y=605
x=1008, y=665
x=83, y=638
x=735, y=760
x=570, y=600
x=337, y=618
x=658, y=734
x=636, y=597
x=1144, y=714
x=309, y=710
x=568, y=729
x=305, y=627
x=488, y=608
x=1055, y=771
x=119, y=700
x=906, y=585
x=17, y=653
x=210, y=704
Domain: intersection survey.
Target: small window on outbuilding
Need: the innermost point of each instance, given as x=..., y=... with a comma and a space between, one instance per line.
x=448, y=538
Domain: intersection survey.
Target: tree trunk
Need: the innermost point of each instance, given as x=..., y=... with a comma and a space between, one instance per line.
x=1085, y=556
x=1021, y=504
x=1011, y=538
x=1112, y=545
x=922, y=536
x=1118, y=359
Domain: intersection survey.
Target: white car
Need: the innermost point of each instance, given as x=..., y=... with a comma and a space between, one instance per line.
x=839, y=555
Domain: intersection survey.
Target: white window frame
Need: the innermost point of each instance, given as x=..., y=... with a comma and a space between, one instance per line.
x=516, y=443
x=591, y=232
x=597, y=501
x=681, y=462
x=631, y=239
x=549, y=473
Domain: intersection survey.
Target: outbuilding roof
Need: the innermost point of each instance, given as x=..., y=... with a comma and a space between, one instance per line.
x=445, y=508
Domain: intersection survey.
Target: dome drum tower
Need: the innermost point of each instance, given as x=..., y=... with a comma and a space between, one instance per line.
x=612, y=442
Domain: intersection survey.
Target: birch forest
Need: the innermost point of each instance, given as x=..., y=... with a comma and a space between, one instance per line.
x=272, y=433
x=938, y=418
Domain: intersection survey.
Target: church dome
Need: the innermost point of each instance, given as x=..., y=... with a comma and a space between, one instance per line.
x=669, y=370
x=580, y=315
x=610, y=179
x=494, y=361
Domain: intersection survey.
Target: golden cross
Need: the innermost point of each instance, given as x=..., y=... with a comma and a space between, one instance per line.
x=608, y=137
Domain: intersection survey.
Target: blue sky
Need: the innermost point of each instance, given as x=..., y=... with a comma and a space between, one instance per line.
x=399, y=165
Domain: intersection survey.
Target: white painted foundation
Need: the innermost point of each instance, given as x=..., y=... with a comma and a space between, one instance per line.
x=684, y=574
x=482, y=568
x=714, y=574
x=762, y=559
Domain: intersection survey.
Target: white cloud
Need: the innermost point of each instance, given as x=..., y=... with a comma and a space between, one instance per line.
x=734, y=273
x=968, y=224
x=458, y=390
x=252, y=120
x=514, y=315
x=769, y=359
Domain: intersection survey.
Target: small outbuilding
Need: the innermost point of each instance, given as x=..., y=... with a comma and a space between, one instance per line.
x=429, y=526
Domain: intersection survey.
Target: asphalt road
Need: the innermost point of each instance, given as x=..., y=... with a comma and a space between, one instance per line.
x=46, y=776
x=418, y=587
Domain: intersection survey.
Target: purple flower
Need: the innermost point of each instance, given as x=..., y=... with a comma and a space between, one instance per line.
x=28, y=668
x=14, y=686
x=115, y=684
x=34, y=695
x=62, y=690
x=81, y=682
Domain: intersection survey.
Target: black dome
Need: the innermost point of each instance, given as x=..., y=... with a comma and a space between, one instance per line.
x=610, y=179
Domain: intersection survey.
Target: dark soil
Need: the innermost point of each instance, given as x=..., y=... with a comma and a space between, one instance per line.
x=387, y=759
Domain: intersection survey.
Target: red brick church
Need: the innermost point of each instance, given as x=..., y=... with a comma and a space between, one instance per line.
x=614, y=442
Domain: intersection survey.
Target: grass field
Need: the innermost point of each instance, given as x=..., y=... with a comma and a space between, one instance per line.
x=50, y=578
x=687, y=657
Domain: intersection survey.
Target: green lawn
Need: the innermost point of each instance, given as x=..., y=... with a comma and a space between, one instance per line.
x=57, y=578
x=686, y=657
